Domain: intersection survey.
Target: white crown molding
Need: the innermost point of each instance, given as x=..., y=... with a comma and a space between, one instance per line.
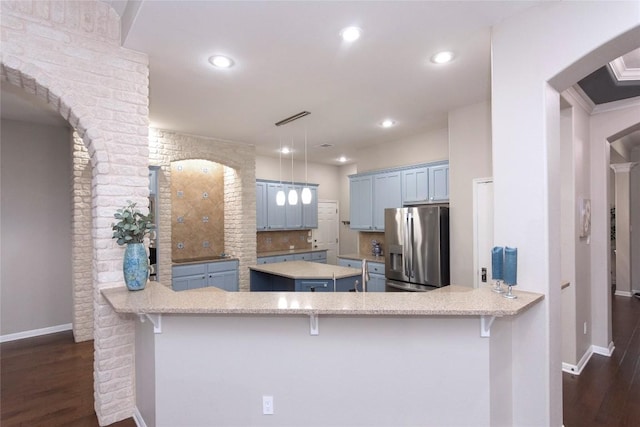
x=577, y=95
x=617, y=105
x=622, y=72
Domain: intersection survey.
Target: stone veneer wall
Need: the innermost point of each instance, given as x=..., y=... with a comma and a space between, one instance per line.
x=68, y=54
x=240, y=194
x=81, y=241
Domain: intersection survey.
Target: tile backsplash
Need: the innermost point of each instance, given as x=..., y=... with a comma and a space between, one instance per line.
x=365, y=239
x=268, y=241
x=197, y=209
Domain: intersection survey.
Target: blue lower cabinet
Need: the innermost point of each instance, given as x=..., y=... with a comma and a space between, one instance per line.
x=189, y=282
x=320, y=256
x=221, y=274
x=376, y=283
x=267, y=282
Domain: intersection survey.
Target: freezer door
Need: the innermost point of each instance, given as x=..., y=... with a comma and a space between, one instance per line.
x=396, y=259
x=426, y=260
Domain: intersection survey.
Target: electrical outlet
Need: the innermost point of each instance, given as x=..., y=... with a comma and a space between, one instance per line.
x=267, y=405
x=585, y=328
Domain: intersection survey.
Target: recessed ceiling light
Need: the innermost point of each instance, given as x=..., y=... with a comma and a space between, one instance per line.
x=342, y=159
x=350, y=34
x=387, y=123
x=442, y=57
x=220, y=61
x=285, y=150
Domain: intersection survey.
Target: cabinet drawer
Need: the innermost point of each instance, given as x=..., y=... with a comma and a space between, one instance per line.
x=302, y=257
x=222, y=266
x=376, y=268
x=315, y=286
x=349, y=263
x=317, y=256
x=188, y=270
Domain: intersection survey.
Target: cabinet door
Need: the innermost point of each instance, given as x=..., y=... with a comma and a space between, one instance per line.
x=293, y=213
x=261, y=206
x=376, y=283
x=275, y=214
x=310, y=211
x=361, y=202
x=226, y=280
x=387, y=193
x=439, y=183
x=415, y=185
x=189, y=282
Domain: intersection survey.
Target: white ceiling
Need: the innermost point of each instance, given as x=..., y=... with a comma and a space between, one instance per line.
x=289, y=58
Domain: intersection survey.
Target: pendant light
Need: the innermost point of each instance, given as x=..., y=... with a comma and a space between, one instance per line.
x=306, y=191
x=280, y=194
x=293, y=194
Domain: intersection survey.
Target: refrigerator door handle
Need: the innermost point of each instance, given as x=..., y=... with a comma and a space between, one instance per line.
x=411, y=243
x=408, y=246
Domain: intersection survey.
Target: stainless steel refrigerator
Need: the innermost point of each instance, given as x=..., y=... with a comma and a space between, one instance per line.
x=417, y=240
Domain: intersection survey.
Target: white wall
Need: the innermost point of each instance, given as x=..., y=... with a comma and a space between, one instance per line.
x=526, y=136
x=575, y=253
x=635, y=222
x=469, y=158
x=326, y=176
x=36, y=227
x=359, y=371
x=429, y=146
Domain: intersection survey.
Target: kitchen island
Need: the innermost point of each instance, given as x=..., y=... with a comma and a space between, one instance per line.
x=304, y=276
x=208, y=357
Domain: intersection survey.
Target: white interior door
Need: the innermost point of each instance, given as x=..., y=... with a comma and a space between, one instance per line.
x=326, y=235
x=482, y=230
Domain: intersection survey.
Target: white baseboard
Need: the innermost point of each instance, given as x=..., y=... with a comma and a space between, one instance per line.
x=623, y=294
x=577, y=369
x=36, y=332
x=137, y=417
x=604, y=351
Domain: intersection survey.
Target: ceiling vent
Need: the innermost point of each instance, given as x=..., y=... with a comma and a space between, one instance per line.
x=324, y=145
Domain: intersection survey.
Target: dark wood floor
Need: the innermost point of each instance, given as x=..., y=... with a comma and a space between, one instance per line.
x=48, y=381
x=607, y=392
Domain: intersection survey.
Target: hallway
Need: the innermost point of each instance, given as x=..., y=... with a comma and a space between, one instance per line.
x=607, y=392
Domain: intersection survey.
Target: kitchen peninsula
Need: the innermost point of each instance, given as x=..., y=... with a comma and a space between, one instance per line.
x=208, y=357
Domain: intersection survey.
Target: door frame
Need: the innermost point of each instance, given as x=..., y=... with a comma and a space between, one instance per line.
x=476, y=266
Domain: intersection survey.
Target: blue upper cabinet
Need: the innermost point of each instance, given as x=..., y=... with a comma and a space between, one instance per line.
x=387, y=193
x=360, y=202
x=415, y=185
x=261, y=206
x=293, y=216
x=310, y=211
x=270, y=216
x=373, y=192
x=276, y=215
x=439, y=183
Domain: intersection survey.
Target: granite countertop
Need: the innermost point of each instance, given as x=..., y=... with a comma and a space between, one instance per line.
x=360, y=257
x=289, y=252
x=448, y=301
x=306, y=270
x=203, y=260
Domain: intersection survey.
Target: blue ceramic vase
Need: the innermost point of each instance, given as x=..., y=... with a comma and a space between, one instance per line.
x=135, y=266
